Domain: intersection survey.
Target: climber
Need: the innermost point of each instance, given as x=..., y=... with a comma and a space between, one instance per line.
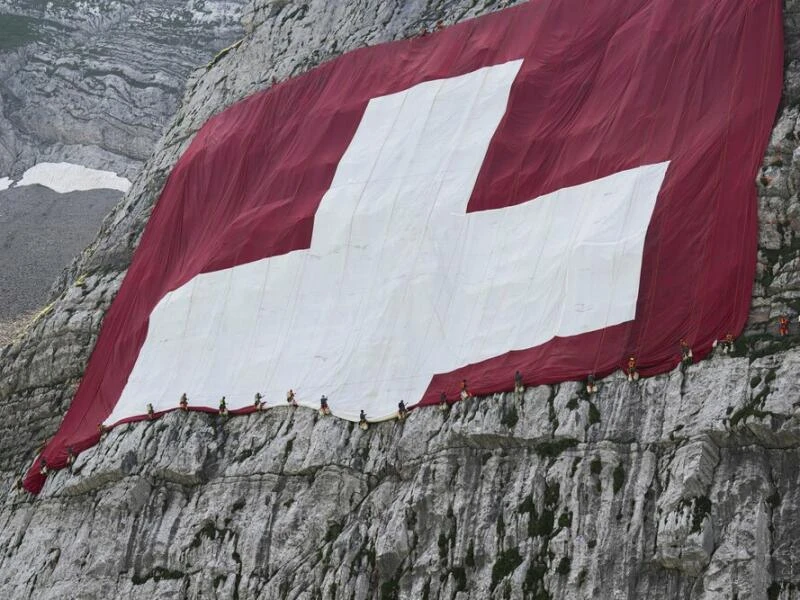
x=223, y=408
x=519, y=387
x=184, y=402
x=443, y=406
x=71, y=456
x=464, y=391
x=591, y=385
x=102, y=429
x=633, y=374
x=402, y=412
x=439, y=26
x=727, y=343
x=686, y=352
x=783, y=327
x=151, y=414
x=258, y=402
x=323, y=406
x=43, y=468
x=290, y=398
x=362, y=421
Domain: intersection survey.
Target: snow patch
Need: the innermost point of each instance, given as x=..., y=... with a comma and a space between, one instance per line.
x=66, y=177
x=5, y=183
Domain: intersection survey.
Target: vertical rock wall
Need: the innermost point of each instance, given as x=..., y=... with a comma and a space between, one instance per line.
x=94, y=82
x=680, y=486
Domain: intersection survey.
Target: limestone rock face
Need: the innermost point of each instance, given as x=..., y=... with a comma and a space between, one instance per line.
x=680, y=486
x=94, y=82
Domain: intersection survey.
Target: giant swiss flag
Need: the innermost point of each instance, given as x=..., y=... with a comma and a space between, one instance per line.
x=550, y=189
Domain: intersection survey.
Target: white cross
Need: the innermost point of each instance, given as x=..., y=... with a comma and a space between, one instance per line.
x=400, y=283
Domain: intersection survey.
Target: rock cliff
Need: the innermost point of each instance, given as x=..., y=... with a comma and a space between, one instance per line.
x=680, y=486
x=94, y=82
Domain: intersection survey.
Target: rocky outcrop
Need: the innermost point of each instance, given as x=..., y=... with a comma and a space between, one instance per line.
x=92, y=83
x=95, y=82
x=675, y=487
x=41, y=232
x=679, y=486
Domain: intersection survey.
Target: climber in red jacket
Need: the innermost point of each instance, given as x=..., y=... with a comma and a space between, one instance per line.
x=783, y=325
x=633, y=374
x=464, y=391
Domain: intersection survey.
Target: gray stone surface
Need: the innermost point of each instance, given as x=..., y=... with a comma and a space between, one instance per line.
x=94, y=82
x=40, y=232
x=681, y=486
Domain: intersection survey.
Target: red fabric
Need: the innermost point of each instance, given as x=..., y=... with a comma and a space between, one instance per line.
x=605, y=86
